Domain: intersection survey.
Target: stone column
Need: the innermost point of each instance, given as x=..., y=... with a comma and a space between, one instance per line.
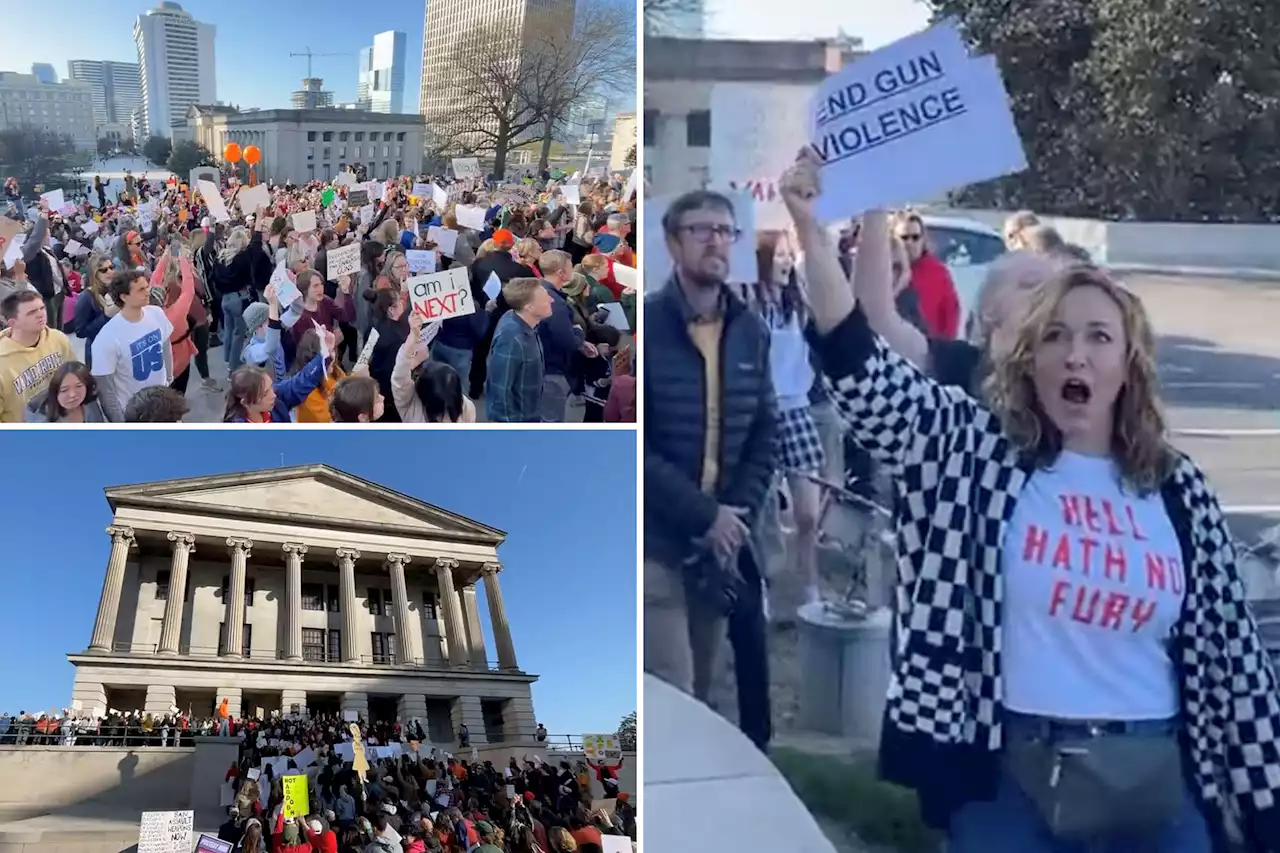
x=171, y=629
x=456, y=636
x=160, y=698
x=234, y=699
x=407, y=651
x=104, y=627
x=498, y=615
x=475, y=634
x=294, y=553
x=467, y=709
x=291, y=697
x=347, y=594
x=234, y=620
x=358, y=702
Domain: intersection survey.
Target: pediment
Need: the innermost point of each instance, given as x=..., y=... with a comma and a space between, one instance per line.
x=313, y=492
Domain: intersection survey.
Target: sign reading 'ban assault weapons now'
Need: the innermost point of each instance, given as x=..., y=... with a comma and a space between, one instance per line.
x=442, y=295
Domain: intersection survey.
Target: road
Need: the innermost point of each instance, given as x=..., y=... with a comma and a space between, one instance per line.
x=1219, y=359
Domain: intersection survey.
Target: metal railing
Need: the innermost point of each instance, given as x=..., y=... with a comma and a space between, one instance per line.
x=20, y=735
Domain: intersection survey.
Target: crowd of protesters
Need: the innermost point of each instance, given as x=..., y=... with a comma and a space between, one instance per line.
x=152, y=281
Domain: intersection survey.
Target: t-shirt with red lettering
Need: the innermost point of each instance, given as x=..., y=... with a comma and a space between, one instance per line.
x=1094, y=584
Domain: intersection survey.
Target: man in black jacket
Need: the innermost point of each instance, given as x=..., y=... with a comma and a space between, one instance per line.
x=709, y=460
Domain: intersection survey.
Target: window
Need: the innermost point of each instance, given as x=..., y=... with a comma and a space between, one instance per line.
x=332, y=601
x=430, y=604
x=162, y=585
x=342, y=153
x=311, y=152
x=328, y=136
x=379, y=601
x=311, y=136
x=248, y=589
x=359, y=136
x=344, y=135
x=650, y=126
x=384, y=647
x=312, y=596
x=400, y=136
x=245, y=646
x=313, y=645
x=327, y=155
x=698, y=129
x=335, y=644
x=958, y=247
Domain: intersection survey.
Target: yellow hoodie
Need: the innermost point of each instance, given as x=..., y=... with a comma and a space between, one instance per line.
x=25, y=371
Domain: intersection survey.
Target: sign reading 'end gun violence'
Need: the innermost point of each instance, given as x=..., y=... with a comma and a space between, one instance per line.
x=442, y=295
x=909, y=122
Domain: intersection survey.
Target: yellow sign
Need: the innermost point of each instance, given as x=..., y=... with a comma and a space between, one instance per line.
x=359, y=763
x=602, y=749
x=296, y=801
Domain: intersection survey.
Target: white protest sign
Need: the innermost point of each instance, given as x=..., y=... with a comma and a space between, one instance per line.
x=252, y=198
x=344, y=179
x=627, y=276
x=470, y=216
x=428, y=333
x=54, y=199
x=571, y=194
x=421, y=190
x=89, y=227
x=14, y=250
x=366, y=214
x=213, y=201
x=67, y=209
x=304, y=220
x=324, y=351
x=367, y=352
x=253, y=774
x=617, y=316
x=445, y=238
x=343, y=261
x=492, y=286
x=632, y=182
x=421, y=260
x=165, y=832
x=439, y=196
x=74, y=248
x=441, y=295
x=615, y=844
x=286, y=291
x=881, y=142
x=602, y=749
x=467, y=168
x=376, y=189
x=305, y=758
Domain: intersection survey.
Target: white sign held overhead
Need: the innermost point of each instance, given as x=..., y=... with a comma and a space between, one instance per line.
x=286, y=291
x=213, y=200
x=442, y=295
x=492, y=286
x=367, y=352
x=466, y=168
x=343, y=261
x=445, y=238
x=626, y=276
x=344, y=179
x=252, y=198
x=304, y=220
x=470, y=216
x=421, y=190
x=909, y=122
x=54, y=199
x=74, y=248
x=421, y=260
x=571, y=194
x=439, y=196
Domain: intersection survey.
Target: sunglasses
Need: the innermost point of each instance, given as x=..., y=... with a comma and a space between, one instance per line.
x=911, y=238
x=104, y=269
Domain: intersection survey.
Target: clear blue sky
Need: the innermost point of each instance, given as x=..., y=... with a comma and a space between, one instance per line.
x=567, y=501
x=254, y=40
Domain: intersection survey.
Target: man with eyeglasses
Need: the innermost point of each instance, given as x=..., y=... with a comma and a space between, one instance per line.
x=930, y=279
x=709, y=458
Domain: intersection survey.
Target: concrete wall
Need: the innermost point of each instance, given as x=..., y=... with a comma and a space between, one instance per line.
x=37, y=780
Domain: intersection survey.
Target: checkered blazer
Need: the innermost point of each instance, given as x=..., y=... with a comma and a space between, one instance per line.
x=958, y=478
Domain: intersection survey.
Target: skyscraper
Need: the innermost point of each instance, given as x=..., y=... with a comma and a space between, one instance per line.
x=44, y=72
x=175, y=52
x=380, y=88
x=117, y=88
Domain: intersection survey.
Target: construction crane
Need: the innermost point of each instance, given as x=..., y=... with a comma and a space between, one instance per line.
x=309, y=54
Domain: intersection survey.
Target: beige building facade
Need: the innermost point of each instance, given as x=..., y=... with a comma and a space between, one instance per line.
x=63, y=108
x=299, y=588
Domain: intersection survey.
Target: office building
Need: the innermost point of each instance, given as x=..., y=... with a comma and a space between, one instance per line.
x=62, y=108
x=380, y=87
x=117, y=90
x=306, y=145
x=446, y=24
x=302, y=588
x=44, y=72
x=586, y=123
x=623, y=142
x=312, y=95
x=175, y=52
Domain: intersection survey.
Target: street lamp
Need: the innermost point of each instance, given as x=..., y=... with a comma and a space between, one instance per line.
x=78, y=171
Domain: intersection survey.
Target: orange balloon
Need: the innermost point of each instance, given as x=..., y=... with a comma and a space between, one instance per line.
x=252, y=155
x=231, y=153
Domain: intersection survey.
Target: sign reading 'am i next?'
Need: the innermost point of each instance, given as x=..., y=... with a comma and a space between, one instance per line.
x=910, y=121
x=165, y=832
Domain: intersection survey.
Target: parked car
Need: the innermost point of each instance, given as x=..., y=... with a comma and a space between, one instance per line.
x=967, y=247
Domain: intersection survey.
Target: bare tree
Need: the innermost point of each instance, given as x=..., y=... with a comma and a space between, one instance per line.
x=662, y=17
x=596, y=54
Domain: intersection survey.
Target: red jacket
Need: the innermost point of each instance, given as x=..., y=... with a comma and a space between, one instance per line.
x=939, y=304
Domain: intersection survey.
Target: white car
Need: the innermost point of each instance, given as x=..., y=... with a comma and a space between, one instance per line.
x=967, y=247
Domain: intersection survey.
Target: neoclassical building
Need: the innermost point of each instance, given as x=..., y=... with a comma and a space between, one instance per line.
x=302, y=587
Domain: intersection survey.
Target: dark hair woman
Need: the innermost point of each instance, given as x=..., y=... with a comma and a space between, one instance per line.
x=72, y=398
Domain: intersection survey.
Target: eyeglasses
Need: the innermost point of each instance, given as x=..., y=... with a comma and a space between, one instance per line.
x=703, y=232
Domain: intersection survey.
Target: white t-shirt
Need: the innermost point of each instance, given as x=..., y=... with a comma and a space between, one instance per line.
x=133, y=352
x=1094, y=584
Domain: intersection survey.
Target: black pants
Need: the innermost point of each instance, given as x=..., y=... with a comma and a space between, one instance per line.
x=749, y=639
x=350, y=343
x=180, y=384
x=200, y=334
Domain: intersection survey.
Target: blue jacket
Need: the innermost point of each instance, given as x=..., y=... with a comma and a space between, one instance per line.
x=292, y=390
x=560, y=340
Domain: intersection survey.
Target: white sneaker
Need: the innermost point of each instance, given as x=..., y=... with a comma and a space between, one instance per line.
x=812, y=594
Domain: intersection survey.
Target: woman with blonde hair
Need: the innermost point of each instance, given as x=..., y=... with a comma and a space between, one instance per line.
x=243, y=270
x=95, y=305
x=527, y=252
x=1077, y=667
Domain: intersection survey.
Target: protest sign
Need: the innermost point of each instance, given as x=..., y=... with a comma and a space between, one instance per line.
x=54, y=199
x=227, y=794
x=213, y=200
x=422, y=190
x=359, y=762
x=427, y=335
x=165, y=832
x=344, y=179
x=307, y=757
x=9, y=229
x=212, y=844
x=615, y=844
x=617, y=316
x=602, y=749
x=632, y=183
x=421, y=260
x=909, y=122
x=366, y=214
x=74, y=248
x=344, y=260
x=470, y=216
x=253, y=774
x=571, y=194
x=357, y=197
x=492, y=286
x=14, y=250
x=286, y=291
x=628, y=277
x=445, y=238
x=466, y=168
x=90, y=227
x=296, y=800
x=304, y=220
x=439, y=196
x=252, y=198
x=376, y=189
x=441, y=295
x=367, y=353
x=510, y=791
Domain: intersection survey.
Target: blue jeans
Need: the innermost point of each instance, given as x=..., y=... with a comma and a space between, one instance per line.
x=458, y=359
x=233, y=331
x=1011, y=824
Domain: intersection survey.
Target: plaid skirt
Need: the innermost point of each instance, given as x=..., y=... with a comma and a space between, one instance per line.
x=799, y=447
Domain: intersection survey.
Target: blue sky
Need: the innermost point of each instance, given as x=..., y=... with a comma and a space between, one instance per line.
x=254, y=40
x=876, y=22
x=567, y=500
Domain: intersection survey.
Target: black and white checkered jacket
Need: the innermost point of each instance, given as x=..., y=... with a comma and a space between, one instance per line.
x=958, y=478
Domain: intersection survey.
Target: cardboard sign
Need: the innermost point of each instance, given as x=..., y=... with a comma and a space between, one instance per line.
x=358, y=198
x=602, y=749
x=213, y=200
x=304, y=220
x=343, y=261
x=470, y=216
x=442, y=295
x=421, y=260
x=297, y=802
x=908, y=122
x=165, y=832
x=251, y=198
x=466, y=168
x=445, y=238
